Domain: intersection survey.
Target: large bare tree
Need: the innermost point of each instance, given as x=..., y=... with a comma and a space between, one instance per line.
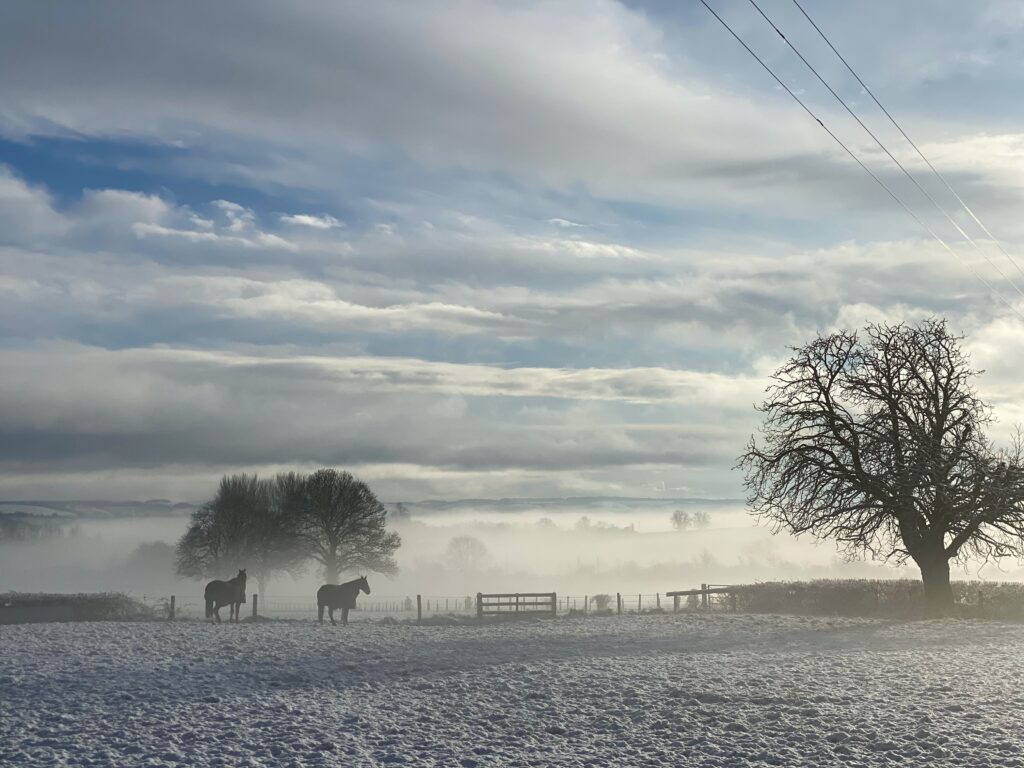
x=243, y=526
x=340, y=521
x=876, y=440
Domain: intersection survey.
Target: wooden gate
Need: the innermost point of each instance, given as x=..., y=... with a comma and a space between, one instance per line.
x=516, y=603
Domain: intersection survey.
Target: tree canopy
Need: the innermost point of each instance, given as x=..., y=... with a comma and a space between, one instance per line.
x=340, y=523
x=877, y=440
x=279, y=524
x=243, y=526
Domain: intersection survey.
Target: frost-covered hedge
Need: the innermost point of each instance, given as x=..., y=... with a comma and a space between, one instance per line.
x=107, y=606
x=863, y=597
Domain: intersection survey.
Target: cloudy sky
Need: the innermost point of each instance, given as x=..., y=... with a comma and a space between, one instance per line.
x=471, y=249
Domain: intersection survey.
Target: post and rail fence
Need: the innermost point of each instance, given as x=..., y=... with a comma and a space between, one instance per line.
x=706, y=595
x=420, y=607
x=889, y=598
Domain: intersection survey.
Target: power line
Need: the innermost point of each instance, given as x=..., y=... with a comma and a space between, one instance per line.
x=910, y=141
x=857, y=160
x=885, y=149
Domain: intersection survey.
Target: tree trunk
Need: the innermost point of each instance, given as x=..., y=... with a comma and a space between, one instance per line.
x=331, y=570
x=938, y=592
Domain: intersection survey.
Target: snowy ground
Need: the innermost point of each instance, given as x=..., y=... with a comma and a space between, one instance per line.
x=715, y=690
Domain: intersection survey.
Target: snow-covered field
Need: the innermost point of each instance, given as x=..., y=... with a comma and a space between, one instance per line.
x=717, y=690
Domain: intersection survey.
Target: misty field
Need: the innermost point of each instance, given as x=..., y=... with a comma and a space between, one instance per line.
x=713, y=690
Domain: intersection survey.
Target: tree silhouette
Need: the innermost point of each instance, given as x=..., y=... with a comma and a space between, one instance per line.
x=466, y=554
x=681, y=520
x=339, y=522
x=243, y=526
x=876, y=441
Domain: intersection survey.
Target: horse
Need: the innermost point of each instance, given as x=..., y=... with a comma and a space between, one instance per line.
x=331, y=596
x=230, y=593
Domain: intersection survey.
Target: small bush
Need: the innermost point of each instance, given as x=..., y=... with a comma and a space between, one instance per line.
x=601, y=602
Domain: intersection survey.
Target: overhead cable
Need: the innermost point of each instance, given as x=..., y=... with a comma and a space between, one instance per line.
x=857, y=160
x=910, y=141
x=885, y=149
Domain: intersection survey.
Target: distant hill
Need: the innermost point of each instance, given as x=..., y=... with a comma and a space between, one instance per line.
x=555, y=504
x=98, y=509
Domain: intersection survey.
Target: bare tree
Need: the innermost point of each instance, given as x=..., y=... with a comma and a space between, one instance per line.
x=878, y=443
x=681, y=519
x=243, y=526
x=466, y=554
x=340, y=522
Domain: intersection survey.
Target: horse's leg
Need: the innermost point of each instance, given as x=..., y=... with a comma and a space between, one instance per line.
x=216, y=611
x=330, y=614
x=320, y=612
x=344, y=615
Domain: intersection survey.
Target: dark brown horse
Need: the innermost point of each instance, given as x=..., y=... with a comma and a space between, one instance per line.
x=331, y=596
x=221, y=593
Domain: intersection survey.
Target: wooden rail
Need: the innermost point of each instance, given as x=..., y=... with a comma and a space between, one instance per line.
x=505, y=603
x=704, y=592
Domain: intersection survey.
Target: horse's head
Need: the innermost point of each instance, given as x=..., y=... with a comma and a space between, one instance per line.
x=241, y=575
x=364, y=585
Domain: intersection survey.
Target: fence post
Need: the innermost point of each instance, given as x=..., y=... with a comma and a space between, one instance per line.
x=704, y=596
x=255, y=602
x=657, y=600
x=554, y=604
x=675, y=603
x=419, y=608
x=479, y=605
x=170, y=612
x=618, y=603
x=586, y=602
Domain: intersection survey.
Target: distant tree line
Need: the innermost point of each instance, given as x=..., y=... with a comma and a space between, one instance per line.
x=21, y=527
x=281, y=524
x=683, y=519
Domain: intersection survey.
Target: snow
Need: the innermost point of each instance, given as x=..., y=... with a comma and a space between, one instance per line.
x=703, y=690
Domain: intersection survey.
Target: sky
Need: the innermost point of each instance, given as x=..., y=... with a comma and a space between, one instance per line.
x=487, y=249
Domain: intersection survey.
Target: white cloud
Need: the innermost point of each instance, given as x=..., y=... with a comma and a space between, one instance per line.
x=168, y=408
x=451, y=337
x=552, y=93
x=309, y=220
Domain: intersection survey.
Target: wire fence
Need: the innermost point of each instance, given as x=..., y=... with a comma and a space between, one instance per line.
x=823, y=597
x=405, y=606
x=401, y=607
x=398, y=606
